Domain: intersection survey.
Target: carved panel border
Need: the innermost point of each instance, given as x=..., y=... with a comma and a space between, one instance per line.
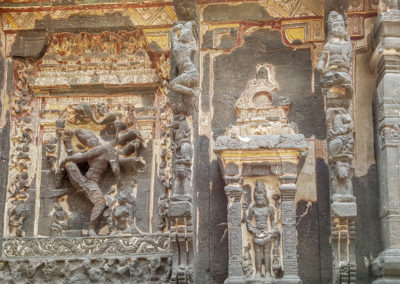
x=35, y=247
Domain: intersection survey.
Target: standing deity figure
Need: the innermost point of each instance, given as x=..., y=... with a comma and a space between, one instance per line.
x=337, y=55
x=182, y=152
x=262, y=234
x=184, y=47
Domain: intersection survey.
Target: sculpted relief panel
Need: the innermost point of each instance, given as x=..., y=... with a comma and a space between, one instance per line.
x=86, y=125
x=98, y=149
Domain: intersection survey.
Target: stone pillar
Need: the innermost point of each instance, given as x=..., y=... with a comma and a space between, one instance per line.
x=289, y=233
x=337, y=86
x=183, y=95
x=385, y=62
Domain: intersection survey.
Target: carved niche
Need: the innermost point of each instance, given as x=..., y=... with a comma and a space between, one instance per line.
x=89, y=140
x=86, y=122
x=260, y=159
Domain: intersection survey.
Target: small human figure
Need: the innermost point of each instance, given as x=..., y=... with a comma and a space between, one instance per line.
x=182, y=152
x=60, y=221
x=184, y=48
x=262, y=235
x=124, y=213
x=17, y=216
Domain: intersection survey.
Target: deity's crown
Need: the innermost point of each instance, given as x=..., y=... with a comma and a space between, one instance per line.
x=260, y=188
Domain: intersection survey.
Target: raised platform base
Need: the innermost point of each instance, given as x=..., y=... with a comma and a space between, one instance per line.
x=284, y=280
x=288, y=280
x=235, y=280
x=386, y=267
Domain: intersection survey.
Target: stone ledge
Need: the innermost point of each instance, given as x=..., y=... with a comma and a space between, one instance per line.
x=290, y=141
x=344, y=209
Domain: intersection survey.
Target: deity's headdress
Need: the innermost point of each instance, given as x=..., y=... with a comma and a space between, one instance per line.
x=260, y=187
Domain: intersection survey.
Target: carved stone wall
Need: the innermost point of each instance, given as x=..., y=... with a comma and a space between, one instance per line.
x=166, y=141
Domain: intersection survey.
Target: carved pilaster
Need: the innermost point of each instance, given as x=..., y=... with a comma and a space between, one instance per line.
x=337, y=86
x=385, y=61
x=183, y=97
x=233, y=191
x=289, y=233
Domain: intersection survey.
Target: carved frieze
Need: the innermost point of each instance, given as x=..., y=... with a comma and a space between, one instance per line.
x=110, y=59
x=132, y=269
x=35, y=247
x=23, y=150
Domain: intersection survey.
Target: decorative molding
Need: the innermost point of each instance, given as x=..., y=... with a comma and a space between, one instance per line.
x=36, y=247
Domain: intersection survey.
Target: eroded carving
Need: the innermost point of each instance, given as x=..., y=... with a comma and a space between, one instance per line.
x=259, y=109
x=89, y=59
x=337, y=55
x=85, y=157
x=99, y=157
x=184, y=48
x=143, y=269
x=341, y=173
x=60, y=220
x=340, y=134
x=248, y=150
x=22, y=149
x=389, y=136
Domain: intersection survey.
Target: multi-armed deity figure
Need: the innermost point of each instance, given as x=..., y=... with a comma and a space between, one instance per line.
x=336, y=58
x=184, y=48
x=262, y=234
x=99, y=157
